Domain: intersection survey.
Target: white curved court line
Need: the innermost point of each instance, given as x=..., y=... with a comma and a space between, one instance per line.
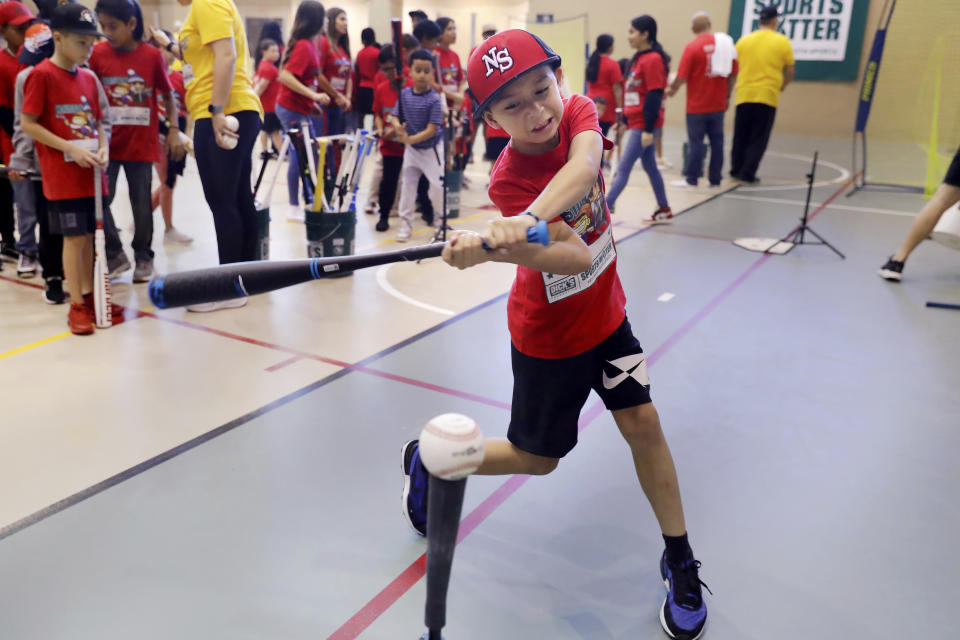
x=387, y=287
x=843, y=177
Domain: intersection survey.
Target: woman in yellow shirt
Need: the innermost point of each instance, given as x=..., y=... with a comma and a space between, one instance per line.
x=216, y=63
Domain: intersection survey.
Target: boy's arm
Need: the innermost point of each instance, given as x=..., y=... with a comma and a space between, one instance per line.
x=426, y=134
x=178, y=150
x=574, y=180
x=104, y=112
x=565, y=255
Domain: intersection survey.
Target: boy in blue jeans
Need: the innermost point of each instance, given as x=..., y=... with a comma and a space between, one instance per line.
x=566, y=314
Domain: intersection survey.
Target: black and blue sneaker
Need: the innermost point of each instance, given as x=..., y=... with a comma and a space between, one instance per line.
x=415, y=485
x=684, y=612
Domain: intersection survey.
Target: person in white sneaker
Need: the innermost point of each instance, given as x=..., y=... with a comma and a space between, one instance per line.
x=418, y=125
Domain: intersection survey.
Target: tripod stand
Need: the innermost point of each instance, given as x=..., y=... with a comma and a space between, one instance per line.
x=440, y=235
x=798, y=235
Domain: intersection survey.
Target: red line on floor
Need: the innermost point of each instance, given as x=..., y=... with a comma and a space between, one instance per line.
x=23, y=282
x=412, y=574
x=284, y=363
x=337, y=363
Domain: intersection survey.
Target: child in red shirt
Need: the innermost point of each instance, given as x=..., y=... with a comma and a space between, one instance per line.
x=643, y=108
x=337, y=68
x=61, y=112
x=566, y=313
x=368, y=69
x=133, y=74
x=167, y=168
x=266, y=84
x=385, y=98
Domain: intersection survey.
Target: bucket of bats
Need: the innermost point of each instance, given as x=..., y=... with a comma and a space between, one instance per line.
x=454, y=180
x=331, y=234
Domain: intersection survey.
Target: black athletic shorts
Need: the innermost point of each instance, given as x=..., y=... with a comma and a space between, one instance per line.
x=549, y=394
x=271, y=122
x=605, y=128
x=953, y=173
x=73, y=217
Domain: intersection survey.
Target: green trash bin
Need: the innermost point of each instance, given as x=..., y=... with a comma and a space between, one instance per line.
x=263, y=231
x=454, y=180
x=331, y=235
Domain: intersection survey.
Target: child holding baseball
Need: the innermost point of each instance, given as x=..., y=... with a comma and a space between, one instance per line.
x=566, y=310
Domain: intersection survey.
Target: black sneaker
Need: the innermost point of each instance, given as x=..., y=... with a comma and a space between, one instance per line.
x=684, y=613
x=382, y=224
x=53, y=291
x=415, y=485
x=892, y=270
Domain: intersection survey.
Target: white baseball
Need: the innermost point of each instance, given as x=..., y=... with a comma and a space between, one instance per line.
x=452, y=446
x=232, y=123
x=230, y=143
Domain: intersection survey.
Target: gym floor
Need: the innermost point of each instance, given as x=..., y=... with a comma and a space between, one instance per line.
x=236, y=475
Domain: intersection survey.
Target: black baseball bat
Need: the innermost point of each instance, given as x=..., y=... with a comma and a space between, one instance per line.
x=241, y=279
x=444, y=504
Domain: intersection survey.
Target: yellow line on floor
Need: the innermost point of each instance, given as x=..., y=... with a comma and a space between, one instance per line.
x=34, y=345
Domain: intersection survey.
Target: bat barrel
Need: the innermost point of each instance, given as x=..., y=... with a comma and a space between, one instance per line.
x=444, y=504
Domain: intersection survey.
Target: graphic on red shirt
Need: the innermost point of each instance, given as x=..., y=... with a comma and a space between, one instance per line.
x=706, y=93
x=336, y=64
x=550, y=315
x=66, y=104
x=132, y=81
x=449, y=68
x=648, y=73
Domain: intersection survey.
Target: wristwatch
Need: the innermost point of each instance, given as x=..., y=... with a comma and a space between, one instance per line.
x=169, y=46
x=214, y=109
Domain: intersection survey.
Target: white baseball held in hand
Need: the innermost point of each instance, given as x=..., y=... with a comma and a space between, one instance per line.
x=232, y=123
x=452, y=446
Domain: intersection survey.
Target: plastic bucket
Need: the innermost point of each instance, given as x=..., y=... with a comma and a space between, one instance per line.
x=947, y=231
x=454, y=180
x=331, y=235
x=263, y=232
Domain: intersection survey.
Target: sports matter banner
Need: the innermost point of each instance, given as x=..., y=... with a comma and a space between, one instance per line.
x=827, y=35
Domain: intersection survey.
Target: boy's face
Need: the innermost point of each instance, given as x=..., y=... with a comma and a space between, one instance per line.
x=389, y=69
x=420, y=71
x=14, y=35
x=75, y=48
x=118, y=32
x=530, y=109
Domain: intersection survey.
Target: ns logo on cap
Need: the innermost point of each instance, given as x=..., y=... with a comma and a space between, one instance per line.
x=86, y=16
x=497, y=59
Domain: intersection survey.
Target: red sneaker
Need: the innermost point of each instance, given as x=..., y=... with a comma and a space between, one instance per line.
x=663, y=215
x=78, y=319
x=116, y=311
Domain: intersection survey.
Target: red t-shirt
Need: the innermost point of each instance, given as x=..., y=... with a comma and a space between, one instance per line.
x=559, y=316
x=705, y=93
x=450, y=69
x=269, y=72
x=9, y=68
x=304, y=64
x=180, y=90
x=132, y=80
x=648, y=73
x=67, y=104
x=336, y=65
x=385, y=104
x=368, y=66
x=608, y=76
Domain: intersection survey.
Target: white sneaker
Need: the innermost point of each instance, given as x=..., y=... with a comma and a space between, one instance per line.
x=295, y=213
x=682, y=184
x=177, y=236
x=206, y=307
x=405, y=231
x=663, y=163
x=26, y=266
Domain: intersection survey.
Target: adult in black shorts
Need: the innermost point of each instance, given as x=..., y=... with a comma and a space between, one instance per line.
x=946, y=195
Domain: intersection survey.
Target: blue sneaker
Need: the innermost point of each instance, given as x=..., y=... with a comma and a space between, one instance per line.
x=684, y=612
x=415, y=484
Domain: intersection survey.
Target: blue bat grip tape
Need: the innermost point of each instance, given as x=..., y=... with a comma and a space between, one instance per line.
x=155, y=291
x=539, y=233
